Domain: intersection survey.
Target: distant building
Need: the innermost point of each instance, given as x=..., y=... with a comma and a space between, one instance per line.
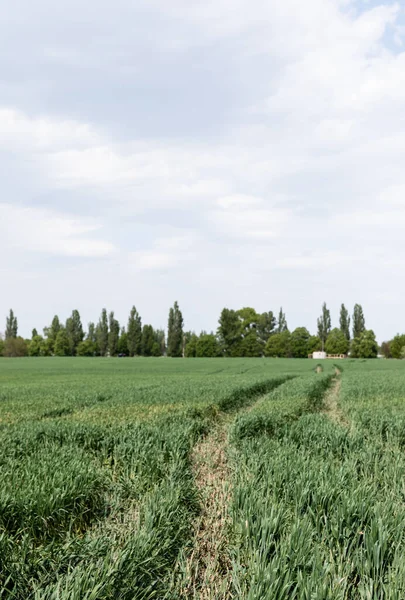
x=319, y=355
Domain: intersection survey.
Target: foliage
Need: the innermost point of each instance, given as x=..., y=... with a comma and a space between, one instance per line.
x=337, y=342
x=102, y=333
x=207, y=346
x=344, y=322
x=74, y=332
x=175, y=332
x=299, y=342
x=324, y=325
x=281, y=322
x=62, y=347
x=11, y=326
x=359, y=324
x=15, y=347
x=134, y=331
x=364, y=346
x=279, y=345
x=396, y=346
x=113, y=334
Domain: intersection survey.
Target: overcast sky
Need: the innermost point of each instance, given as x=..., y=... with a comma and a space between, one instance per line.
x=218, y=152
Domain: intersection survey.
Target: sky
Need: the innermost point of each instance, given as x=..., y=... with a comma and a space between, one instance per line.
x=214, y=152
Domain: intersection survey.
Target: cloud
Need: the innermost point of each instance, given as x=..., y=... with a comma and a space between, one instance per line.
x=38, y=230
x=230, y=151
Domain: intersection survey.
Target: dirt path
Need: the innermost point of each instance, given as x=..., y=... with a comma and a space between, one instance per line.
x=208, y=567
x=331, y=402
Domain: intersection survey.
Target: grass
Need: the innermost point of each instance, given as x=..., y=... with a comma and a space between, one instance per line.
x=201, y=478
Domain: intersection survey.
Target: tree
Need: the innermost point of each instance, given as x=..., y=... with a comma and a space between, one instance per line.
x=123, y=342
x=34, y=333
x=281, y=322
x=368, y=347
x=15, y=347
x=386, y=349
x=324, y=325
x=114, y=334
x=74, y=331
x=86, y=348
x=314, y=344
x=266, y=326
x=91, y=333
x=344, y=322
x=207, y=346
x=134, y=332
x=279, y=345
x=337, y=342
x=51, y=332
x=299, y=342
x=160, y=339
x=250, y=345
x=62, y=347
x=396, y=345
x=359, y=325
x=35, y=347
x=148, y=340
x=102, y=333
x=229, y=332
x=175, y=332
x=190, y=351
x=11, y=326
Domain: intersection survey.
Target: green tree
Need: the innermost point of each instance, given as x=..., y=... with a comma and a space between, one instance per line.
x=281, y=322
x=368, y=347
x=102, y=333
x=250, y=345
x=337, y=342
x=229, y=332
x=11, y=326
x=266, y=326
x=86, y=348
x=324, y=325
x=396, y=345
x=207, y=346
x=279, y=345
x=160, y=339
x=51, y=332
x=344, y=322
x=299, y=342
x=74, y=331
x=62, y=346
x=359, y=325
x=148, y=340
x=113, y=335
x=34, y=333
x=123, y=342
x=175, y=332
x=134, y=332
x=91, y=333
x=314, y=344
x=190, y=351
x=35, y=347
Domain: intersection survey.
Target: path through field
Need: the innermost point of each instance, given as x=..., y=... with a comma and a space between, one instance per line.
x=208, y=565
x=331, y=401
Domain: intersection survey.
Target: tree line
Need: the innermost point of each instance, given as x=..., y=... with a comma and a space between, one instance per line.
x=240, y=333
x=104, y=338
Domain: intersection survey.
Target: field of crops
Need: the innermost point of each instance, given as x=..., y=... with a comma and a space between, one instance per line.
x=202, y=478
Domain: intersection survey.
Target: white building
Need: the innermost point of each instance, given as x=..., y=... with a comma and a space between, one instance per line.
x=319, y=355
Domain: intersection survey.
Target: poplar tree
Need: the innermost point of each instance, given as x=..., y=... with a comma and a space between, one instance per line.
x=102, y=333
x=74, y=331
x=359, y=324
x=281, y=322
x=134, y=333
x=11, y=326
x=344, y=322
x=113, y=335
x=175, y=332
x=324, y=325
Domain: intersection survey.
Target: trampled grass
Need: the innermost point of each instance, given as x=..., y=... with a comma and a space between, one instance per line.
x=99, y=497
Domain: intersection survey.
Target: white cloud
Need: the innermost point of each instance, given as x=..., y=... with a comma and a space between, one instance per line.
x=38, y=230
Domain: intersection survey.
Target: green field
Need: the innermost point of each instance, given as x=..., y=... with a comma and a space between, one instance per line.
x=202, y=478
